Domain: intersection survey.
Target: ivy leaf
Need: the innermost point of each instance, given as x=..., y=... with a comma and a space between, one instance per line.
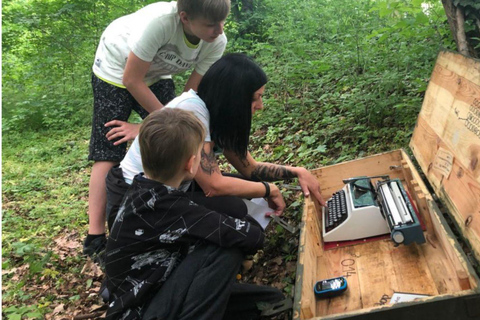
x=321, y=148
x=14, y=316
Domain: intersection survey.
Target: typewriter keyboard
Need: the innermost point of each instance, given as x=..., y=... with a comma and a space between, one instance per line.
x=337, y=211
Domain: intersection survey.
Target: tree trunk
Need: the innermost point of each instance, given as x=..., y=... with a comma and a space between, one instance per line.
x=456, y=22
x=462, y=43
x=451, y=13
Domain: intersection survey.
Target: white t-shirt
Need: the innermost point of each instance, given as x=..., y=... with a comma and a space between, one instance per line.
x=154, y=34
x=132, y=163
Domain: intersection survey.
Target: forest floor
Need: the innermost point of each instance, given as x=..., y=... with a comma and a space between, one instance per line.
x=269, y=268
x=44, y=273
x=78, y=298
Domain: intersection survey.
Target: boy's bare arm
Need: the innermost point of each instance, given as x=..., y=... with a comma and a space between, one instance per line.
x=193, y=81
x=135, y=71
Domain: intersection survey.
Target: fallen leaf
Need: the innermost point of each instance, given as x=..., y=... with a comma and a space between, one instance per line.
x=13, y=270
x=278, y=260
x=59, y=308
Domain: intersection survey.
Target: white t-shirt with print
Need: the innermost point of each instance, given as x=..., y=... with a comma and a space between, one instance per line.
x=154, y=34
x=132, y=163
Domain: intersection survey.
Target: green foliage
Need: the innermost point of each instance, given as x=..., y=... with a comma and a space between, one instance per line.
x=346, y=79
x=472, y=8
x=48, y=49
x=44, y=190
x=20, y=312
x=45, y=181
x=32, y=255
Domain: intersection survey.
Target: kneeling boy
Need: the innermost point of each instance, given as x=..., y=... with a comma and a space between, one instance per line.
x=167, y=257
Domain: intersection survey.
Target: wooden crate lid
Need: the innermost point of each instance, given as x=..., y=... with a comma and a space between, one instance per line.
x=446, y=140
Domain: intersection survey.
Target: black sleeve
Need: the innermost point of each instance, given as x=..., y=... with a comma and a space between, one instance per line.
x=220, y=229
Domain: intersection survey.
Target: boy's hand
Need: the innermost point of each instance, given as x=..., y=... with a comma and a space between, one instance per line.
x=122, y=130
x=275, y=201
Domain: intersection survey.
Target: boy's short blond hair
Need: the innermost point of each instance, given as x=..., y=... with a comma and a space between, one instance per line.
x=168, y=138
x=213, y=10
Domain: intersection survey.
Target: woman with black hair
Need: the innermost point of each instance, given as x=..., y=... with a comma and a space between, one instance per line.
x=228, y=95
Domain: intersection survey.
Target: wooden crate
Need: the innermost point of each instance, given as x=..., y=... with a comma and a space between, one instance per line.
x=446, y=144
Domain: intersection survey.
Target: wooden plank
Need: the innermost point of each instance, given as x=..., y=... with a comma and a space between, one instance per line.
x=451, y=106
x=439, y=234
x=411, y=271
x=407, y=171
x=448, y=244
x=422, y=207
x=442, y=270
x=378, y=269
x=376, y=273
x=307, y=309
x=309, y=242
x=439, y=263
x=468, y=68
x=334, y=263
x=460, y=191
x=330, y=178
x=323, y=272
x=449, y=123
x=456, y=120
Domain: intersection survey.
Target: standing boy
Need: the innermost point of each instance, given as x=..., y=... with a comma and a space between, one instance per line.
x=167, y=257
x=133, y=65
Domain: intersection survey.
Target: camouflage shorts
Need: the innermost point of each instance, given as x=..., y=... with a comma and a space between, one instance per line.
x=114, y=103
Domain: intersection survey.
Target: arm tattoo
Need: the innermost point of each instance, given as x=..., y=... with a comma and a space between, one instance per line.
x=272, y=172
x=245, y=162
x=208, y=162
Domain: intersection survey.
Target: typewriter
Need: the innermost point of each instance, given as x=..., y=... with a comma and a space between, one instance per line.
x=361, y=210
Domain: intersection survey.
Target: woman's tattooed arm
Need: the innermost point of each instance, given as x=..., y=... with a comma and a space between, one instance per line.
x=272, y=172
x=209, y=162
x=259, y=171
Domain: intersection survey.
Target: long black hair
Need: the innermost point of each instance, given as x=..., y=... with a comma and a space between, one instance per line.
x=227, y=89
